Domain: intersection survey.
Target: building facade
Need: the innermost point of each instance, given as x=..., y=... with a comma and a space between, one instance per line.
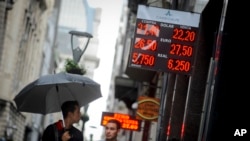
x=24, y=50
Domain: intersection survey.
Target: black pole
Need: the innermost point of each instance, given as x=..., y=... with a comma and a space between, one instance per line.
x=161, y=127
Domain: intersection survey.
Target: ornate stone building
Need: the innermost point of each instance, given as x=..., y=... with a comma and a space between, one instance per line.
x=25, y=52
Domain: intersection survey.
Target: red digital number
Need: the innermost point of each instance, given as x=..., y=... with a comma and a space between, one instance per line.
x=143, y=59
x=184, y=35
x=145, y=44
x=178, y=65
x=181, y=50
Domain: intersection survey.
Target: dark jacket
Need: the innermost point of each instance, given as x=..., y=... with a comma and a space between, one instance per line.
x=54, y=133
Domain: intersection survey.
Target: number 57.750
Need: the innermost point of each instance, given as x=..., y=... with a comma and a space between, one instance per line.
x=143, y=59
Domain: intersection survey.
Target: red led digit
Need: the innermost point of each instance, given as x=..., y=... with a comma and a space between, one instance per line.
x=135, y=58
x=187, y=51
x=170, y=64
x=148, y=60
x=139, y=43
x=190, y=36
x=142, y=26
x=152, y=44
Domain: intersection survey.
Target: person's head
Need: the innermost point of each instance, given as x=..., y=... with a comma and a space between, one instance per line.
x=71, y=109
x=112, y=129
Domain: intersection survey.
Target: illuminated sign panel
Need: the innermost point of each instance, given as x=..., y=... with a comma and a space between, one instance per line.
x=164, y=40
x=127, y=121
x=148, y=108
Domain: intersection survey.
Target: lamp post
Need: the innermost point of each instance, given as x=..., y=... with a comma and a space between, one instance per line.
x=79, y=44
x=81, y=40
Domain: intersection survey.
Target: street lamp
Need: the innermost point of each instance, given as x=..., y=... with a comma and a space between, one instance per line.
x=81, y=39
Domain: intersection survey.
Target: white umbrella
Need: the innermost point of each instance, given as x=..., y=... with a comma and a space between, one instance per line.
x=47, y=93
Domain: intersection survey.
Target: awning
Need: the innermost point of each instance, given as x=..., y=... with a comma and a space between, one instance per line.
x=141, y=75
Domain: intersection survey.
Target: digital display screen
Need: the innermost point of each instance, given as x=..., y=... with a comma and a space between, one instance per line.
x=127, y=121
x=164, y=40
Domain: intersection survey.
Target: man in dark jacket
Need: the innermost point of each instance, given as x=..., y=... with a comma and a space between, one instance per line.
x=64, y=130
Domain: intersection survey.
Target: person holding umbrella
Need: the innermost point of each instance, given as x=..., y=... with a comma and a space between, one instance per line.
x=63, y=130
x=48, y=93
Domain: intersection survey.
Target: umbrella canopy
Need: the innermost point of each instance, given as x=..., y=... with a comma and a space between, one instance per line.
x=47, y=93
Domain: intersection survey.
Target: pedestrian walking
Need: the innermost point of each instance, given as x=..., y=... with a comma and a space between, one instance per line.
x=112, y=129
x=63, y=130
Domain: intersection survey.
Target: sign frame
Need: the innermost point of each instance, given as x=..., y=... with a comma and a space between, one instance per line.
x=164, y=40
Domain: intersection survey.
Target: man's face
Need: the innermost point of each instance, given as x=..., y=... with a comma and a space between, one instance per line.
x=111, y=131
x=76, y=115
